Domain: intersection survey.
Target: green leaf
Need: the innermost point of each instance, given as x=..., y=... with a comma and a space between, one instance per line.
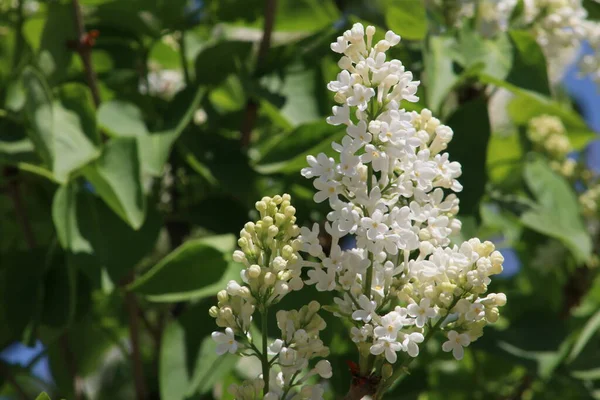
x=15, y=146
x=529, y=70
x=67, y=293
x=215, y=63
x=92, y=340
x=43, y=396
x=471, y=126
x=61, y=132
x=39, y=112
x=131, y=18
x=406, y=18
x=302, y=90
x=589, y=330
x=557, y=213
x=155, y=148
x=116, y=176
x=94, y=236
x=54, y=55
x=593, y=9
x=189, y=364
x=524, y=107
x=504, y=154
x=21, y=272
x=580, y=139
x=528, y=104
x=72, y=148
x=440, y=76
x=77, y=98
x=122, y=119
x=303, y=15
x=185, y=273
x=495, y=54
x=288, y=153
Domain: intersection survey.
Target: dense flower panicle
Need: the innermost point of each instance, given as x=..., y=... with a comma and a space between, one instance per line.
x=269, y=253
x=560, y=27
x=391, y=187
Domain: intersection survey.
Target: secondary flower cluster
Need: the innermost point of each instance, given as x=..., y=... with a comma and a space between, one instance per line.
x=549, y=136
x=560, y=27
x=269, y=252
x=387, y=188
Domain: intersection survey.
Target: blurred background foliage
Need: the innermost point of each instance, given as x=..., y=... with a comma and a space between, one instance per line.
x=136, y=135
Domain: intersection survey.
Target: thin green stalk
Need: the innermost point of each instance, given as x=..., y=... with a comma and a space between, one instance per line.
x=19, y=38
x=369, y=278
x=265, y=356
x=184, y=64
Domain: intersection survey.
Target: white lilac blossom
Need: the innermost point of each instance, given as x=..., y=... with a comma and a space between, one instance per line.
x=559, y=26
x=269, y=253
x=391, y=186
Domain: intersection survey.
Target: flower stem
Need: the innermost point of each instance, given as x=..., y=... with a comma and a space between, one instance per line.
x=265, y=357
x=183, y=55
x=85, y=52
x=369, y=278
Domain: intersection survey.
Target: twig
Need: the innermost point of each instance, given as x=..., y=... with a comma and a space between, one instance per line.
x=23, y=219
x=19, y=39
x=263, y=50
x=154, y=330
x=134, y=337
x=14, y=193
x=11, y=379
x=69, y=357
x=85, y=52
x=184, y=64
x=525, y=384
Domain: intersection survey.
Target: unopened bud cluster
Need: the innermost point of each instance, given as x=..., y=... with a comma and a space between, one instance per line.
x=269, y=251
x=272, y=267
x=589, y=201
x=549, y=136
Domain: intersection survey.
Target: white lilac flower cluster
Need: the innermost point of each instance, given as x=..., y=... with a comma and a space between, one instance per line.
x=560, y=28
x=269, y=252
x=388, y=188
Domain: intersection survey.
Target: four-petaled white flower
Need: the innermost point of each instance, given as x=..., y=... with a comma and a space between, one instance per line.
x=410, y=343
x=387, y=346
x=456, y=344
x=225, y=341
x=321, y=167
x=422, y=312
x=374, y=225
x=360, y=96
x=326, y=190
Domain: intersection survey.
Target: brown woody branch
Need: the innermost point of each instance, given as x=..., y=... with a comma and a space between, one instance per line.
x=134, y=336
x=85, y=52
x=251, y=112
x=71, y=363
x=7, y=373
